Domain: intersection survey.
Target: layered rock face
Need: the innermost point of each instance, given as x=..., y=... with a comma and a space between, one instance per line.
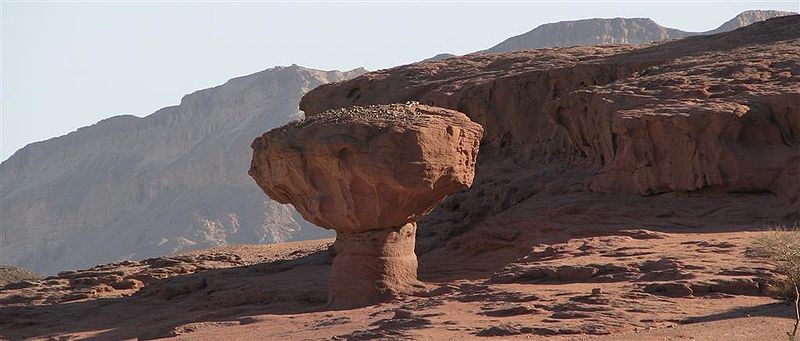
x=722, y=120
x=130, y=187
x=706, y=114
x=358, y=169
x=616, y=31
x=373, y=266
x=369, y=173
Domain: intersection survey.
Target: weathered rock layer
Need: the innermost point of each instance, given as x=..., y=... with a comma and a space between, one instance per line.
x=370, y=168
x=686, y=126
x=373, y=266
x=703, y=114
x=369, y=173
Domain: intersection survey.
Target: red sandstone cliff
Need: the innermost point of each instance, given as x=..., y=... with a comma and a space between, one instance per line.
x=702, y=115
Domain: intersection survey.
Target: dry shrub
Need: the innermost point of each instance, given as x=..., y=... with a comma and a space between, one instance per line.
x=780, y=247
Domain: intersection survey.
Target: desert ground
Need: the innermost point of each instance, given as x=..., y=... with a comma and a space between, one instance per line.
x=641, y=284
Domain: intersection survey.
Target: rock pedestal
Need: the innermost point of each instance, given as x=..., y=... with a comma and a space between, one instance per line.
x=369, y=173
x=374, y=266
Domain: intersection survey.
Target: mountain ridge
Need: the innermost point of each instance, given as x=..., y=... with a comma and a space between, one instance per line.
x=610, y=31
x=132, y=187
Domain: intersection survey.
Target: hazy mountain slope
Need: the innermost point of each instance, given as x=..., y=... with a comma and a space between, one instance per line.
x=747, y=18
x=130, y=187
x=590, y=32
x=615, y=31
x=439, y=56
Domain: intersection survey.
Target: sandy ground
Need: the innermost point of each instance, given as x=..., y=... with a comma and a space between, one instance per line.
x=606, y=287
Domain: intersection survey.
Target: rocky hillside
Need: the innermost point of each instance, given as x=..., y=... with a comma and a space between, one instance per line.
x=130, y=187
x=615, y=31
x=578, y=135
x=747, y=18
x=10, y=274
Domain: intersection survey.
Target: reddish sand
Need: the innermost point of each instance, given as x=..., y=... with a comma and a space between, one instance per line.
x=226, y=293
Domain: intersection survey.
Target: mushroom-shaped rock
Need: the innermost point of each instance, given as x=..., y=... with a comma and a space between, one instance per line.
x=369, y=173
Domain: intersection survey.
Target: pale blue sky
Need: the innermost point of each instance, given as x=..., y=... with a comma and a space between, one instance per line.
x=67, y=65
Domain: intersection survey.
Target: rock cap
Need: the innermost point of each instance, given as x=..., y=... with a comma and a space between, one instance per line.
x=365, y=168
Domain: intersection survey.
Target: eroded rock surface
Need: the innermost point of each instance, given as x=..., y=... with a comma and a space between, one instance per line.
x=373, y=266
x=369, y=173
x=727, y=120
x=713, y=116
x=369, y=168
x=575, y=287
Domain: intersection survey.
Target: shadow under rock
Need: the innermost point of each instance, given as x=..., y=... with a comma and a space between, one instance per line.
x=547, y=218
x=779, y=309
x=226, y=296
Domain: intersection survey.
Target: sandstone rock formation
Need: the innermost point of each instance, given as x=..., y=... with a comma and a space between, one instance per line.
x=706, y=115
x=369, y=173
x=131, y=188
x=725, y=120
x=616, y=31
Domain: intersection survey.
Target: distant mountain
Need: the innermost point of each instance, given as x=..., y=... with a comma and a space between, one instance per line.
x=590, y=32
x=439, y=57
x=615, y=31
x=131, y=187
x=747, y=18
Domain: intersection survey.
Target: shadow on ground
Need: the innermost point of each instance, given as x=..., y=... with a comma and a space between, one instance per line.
x=230, y=296
x=780, y=309
x=217, y=296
